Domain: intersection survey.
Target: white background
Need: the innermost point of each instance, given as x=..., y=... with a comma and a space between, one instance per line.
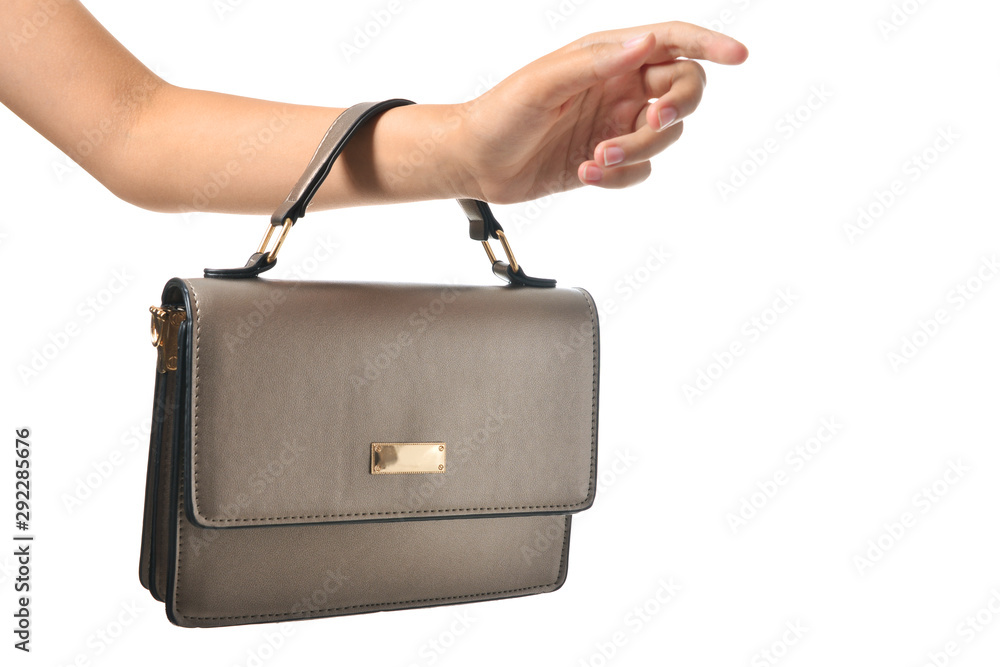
x=684, y=466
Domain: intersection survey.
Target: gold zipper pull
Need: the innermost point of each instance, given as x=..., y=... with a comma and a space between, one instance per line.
x=163, y=328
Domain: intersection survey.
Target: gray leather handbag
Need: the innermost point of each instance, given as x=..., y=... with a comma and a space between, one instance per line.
x=329, y=448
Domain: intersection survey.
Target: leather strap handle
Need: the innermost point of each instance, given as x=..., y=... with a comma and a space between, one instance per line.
x=483, y=226
x=329, y=149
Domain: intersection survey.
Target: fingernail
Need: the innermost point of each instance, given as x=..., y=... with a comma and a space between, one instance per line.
x=613, y=155
x=666, y=116
x=592, y=174
x=629, y=43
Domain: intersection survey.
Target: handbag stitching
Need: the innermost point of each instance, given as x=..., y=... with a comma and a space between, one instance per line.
x=593, y=448
x=197, y=388
x=180, y=543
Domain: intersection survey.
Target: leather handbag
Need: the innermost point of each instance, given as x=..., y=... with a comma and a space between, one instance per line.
x=331, y=448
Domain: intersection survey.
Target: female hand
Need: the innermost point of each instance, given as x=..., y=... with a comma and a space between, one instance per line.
x=582, y=115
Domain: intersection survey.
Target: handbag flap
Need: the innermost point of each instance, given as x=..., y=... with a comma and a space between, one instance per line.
x=491, y=391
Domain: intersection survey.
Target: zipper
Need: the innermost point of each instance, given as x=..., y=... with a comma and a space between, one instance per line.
x=163, y=328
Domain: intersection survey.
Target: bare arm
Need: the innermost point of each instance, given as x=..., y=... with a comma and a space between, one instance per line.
x=166, y=148
x=546, y=128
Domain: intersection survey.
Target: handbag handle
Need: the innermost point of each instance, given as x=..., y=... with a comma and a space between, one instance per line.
x=482, y=224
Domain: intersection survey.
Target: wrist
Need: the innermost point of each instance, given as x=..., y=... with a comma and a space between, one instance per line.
x=422, y=153
x=457, y=152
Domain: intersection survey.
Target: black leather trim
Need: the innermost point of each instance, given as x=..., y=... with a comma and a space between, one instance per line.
x=519, y=278
x=152, y=477
x=160, y=589
x=483, y=225
x=174, y=477
x=158, y=452
x=256, y=265
x=174, y=288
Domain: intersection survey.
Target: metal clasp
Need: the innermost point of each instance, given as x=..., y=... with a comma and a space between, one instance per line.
x=273, y=254
x=506, y=250
x=163, y=328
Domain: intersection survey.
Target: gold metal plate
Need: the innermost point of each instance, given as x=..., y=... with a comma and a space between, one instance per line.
x=401, y=458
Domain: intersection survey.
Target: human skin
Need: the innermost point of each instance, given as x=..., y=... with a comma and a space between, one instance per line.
x=579, y=116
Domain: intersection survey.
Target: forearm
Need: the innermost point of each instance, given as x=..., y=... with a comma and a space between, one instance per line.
x=198, y=150
x=174, y=149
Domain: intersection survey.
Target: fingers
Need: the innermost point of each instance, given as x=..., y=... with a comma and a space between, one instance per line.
x=678, y=87
x=677, y=39
x=615, y=161
x=617, y=178
x=663, y=56
x=603, y=55
x=636, y=147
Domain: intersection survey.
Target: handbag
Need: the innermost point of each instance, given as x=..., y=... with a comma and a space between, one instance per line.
x=330, y=448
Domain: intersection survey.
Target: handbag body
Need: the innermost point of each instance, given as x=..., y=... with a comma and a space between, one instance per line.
x=331, y=448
